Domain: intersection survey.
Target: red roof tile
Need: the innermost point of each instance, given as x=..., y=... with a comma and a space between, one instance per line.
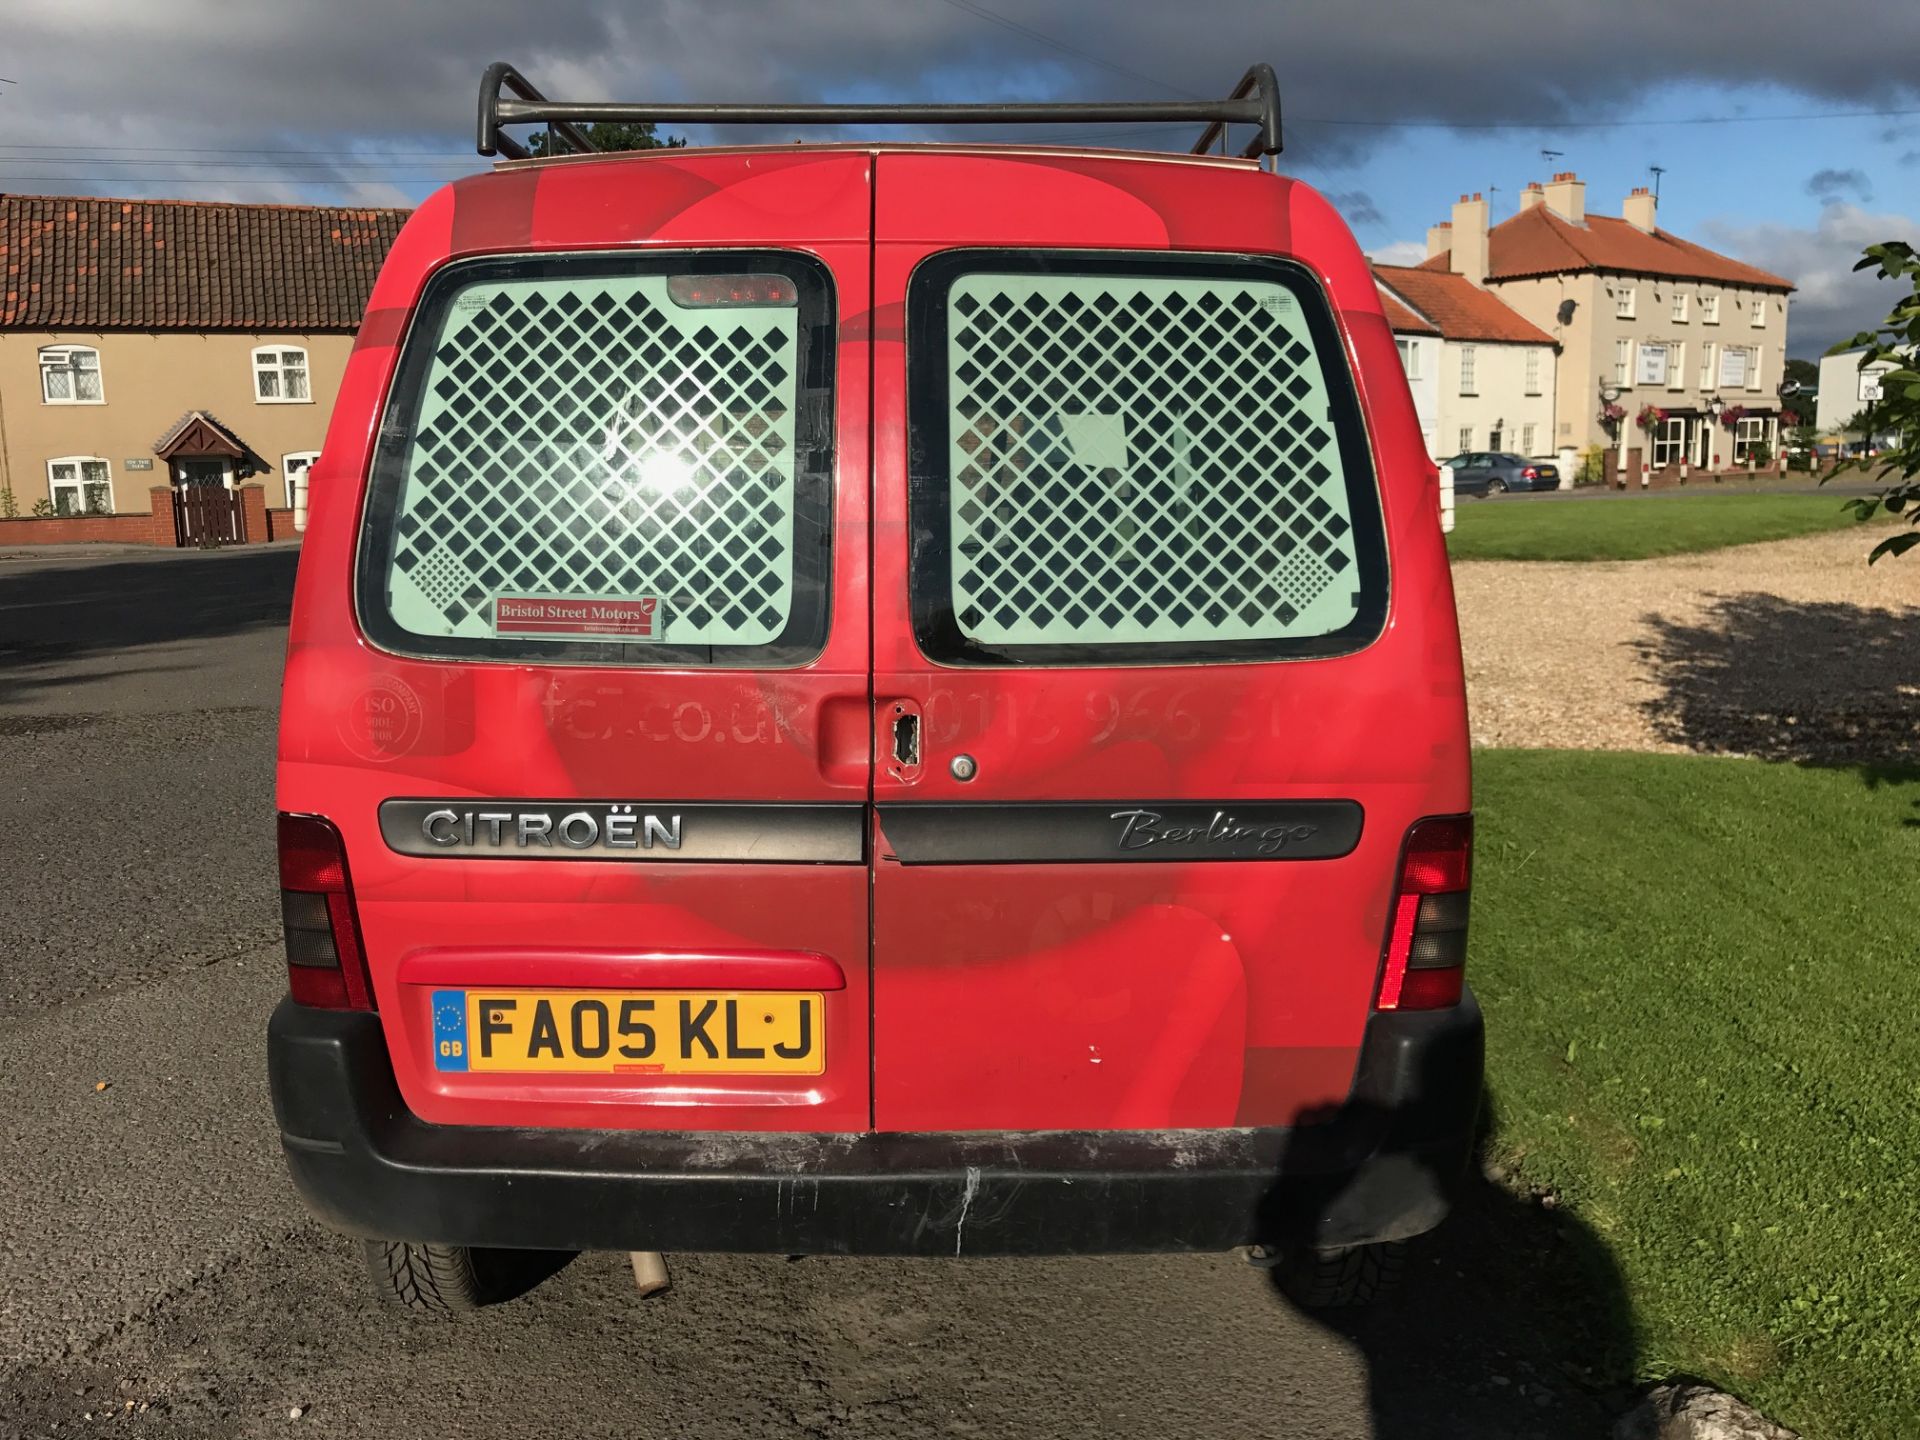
x=1539, y=242
x=92, y=263
x=1402, y=320
x=1461, y=309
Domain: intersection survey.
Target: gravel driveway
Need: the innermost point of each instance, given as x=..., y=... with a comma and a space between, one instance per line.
x=1793, y=650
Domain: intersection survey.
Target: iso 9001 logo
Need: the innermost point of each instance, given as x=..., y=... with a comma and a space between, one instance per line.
x=383, y=722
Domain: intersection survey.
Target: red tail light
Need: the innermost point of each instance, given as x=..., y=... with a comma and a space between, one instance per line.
x=1529, y=473
x=326, y=964
x=1427, y=944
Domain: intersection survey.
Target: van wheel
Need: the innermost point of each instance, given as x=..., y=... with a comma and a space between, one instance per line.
x=453, y=1279
x=1340, y=1279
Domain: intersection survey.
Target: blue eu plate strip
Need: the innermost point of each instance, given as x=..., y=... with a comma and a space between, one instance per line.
x=449, y=1029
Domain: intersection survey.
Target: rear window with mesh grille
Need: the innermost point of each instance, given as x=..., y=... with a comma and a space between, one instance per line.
x=1135, y=459
x=622, y=460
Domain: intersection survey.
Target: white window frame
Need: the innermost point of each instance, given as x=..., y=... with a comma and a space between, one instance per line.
x=1756, y=356
x=1710, y=309
x=1679, y=313
x=1706, y=365
x=1625, y=302
x=277, y=367
x=1409, y=357
x=1669, y=441
x=1676, y=365
x=1526, y=439
x=79, y=482
x=56, y=359
x=1623, y=363
x=1468, y=383
x=1748, y=430
x=1757, y=315
x=1466, y=439
x=1532, y=383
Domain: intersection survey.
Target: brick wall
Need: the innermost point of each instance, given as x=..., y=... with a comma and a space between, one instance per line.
x=280, y=526
x=155, y=528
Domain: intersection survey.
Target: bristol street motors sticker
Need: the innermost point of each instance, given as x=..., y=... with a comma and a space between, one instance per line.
x=643, y=619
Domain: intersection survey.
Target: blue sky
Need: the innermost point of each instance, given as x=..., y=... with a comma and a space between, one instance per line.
x=370, y=101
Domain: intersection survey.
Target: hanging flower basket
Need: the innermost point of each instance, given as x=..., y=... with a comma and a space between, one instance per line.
x=1612, y=414
x=1730, y=417
x=1650, y=416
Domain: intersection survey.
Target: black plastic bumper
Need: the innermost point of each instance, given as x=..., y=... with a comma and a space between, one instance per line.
x=1381, y=1167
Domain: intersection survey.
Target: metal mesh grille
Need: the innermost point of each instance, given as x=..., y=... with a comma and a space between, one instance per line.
x=592, y=440
x=1141, y=460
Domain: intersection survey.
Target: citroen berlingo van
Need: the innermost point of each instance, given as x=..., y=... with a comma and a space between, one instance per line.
x=870, y=698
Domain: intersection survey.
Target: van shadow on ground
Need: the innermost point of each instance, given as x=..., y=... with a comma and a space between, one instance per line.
x=1808, y=682
x=1512, y=1321
x=58, y=609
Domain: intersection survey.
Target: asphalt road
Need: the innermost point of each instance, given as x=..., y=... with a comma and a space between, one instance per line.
x=158, y=1277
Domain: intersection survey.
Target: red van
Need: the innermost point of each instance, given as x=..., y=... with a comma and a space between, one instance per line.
x=888, y=699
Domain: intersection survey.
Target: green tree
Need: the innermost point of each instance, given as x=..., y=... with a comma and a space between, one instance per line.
x=613, y=135
x=1898, y=409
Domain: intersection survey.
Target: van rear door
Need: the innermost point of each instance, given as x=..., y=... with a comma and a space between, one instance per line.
x=599, y=748
x=1134, y=841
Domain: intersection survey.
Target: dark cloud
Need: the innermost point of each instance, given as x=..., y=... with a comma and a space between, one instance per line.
x=1833, y=302
x=1828, y=186
x=1358, y=207
x=398, y=78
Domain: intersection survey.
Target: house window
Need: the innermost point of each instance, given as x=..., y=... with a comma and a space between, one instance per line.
x=1757, y=314
x=1758, y=353
x=1733, y=367
x=1466, y=437
x=1750, y=431
x=1706, y=366
x=1669, y=439
x=1409, y=358
x=1623, y=303
x=1496, y=438
x=1622, y=362
x=1710, y=309
x=70, y=375
x=1526, y=439
x=1677, y=365
x=1466, y=371
x=280, y=375
x=1533, y=372
x=1679, y=307
x=80, y=485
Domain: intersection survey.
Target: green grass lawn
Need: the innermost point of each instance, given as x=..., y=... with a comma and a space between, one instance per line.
x=1633, y=527
x=1702, y=986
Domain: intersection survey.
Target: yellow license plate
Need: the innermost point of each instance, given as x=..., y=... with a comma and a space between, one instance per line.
x=621, y=1032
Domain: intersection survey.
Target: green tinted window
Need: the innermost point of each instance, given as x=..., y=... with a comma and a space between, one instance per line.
x=1152, y=461
x=606, y=461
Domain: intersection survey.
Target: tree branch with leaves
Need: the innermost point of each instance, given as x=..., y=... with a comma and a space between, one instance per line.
x=1897, y=412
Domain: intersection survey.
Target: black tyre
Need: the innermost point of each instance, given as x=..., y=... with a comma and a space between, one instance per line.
x=1496, y=487
x=1340, y=1279
x=453, y=1279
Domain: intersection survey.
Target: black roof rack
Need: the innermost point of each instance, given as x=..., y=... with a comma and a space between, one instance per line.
x=1255, y=101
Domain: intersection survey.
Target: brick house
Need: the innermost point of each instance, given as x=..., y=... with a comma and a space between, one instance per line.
x=1637, y=312
x=149, y=346
x=1488, y=370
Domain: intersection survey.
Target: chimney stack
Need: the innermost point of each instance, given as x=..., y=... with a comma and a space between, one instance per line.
x=1531, y=196
x=1567, y=197
x=1638, y=211
x=1439, y=238
x=1470, y=238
